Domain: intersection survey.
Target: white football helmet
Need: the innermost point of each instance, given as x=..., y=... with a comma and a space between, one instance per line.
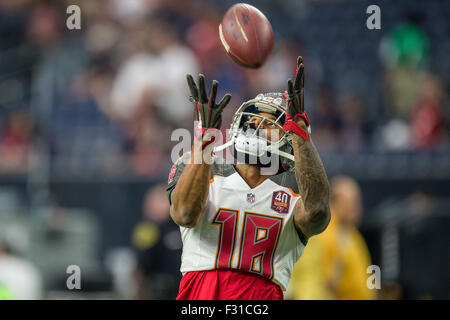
x=247, y=139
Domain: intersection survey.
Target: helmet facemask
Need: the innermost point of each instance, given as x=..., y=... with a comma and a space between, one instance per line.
x=249, y=143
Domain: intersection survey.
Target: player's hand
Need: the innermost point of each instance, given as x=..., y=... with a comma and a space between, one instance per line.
x=296, y=103
x=207, y=113
x=296, y=119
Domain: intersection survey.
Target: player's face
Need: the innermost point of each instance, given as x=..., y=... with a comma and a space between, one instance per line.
x=273, y=133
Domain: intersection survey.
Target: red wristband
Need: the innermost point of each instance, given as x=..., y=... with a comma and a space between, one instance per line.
x=292, y=125
x=200, y=132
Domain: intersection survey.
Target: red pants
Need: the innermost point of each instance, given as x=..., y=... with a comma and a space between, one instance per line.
x=227, y=285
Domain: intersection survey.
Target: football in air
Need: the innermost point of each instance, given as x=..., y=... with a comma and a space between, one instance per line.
x=247, y=35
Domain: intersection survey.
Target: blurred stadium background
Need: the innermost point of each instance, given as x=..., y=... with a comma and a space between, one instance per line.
x=86, y=117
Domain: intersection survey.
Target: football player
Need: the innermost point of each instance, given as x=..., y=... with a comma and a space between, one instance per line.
x=243, y=229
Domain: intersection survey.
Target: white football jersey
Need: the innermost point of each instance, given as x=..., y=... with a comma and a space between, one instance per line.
x=243, y=228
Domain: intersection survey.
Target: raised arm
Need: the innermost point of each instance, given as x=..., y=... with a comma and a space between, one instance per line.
x=312, y=213
x=190, y=195
x=189, y=198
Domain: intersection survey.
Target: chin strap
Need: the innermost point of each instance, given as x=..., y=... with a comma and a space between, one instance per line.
x=292, y=126
x=283, y=154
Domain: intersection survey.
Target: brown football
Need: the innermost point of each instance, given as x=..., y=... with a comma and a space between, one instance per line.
x=246, y=35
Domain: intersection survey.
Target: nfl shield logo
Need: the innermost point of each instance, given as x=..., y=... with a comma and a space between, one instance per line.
x=250, y=197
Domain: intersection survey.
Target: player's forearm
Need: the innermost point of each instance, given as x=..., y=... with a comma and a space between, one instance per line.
x=190, y=196
x=313, y=186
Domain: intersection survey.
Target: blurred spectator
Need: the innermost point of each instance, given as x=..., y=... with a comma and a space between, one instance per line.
x=147, y=149
x=354, y=126
x=425, y=129
x=202, y=38
x=19, y=279
x=407, y=44
x=61, y=55
x=428, y=116
x=15, y=142
x=158, y=242
x=334, y=263
x=326, y=121
x=394, y=135
x=404, y=53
